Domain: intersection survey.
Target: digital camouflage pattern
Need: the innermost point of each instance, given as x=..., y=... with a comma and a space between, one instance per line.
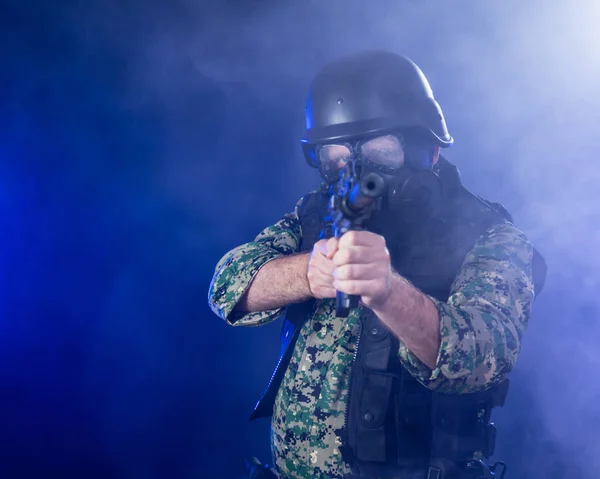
x=235, y=271
x=481, y=327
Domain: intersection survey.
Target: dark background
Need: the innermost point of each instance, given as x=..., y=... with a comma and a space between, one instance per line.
x=139, y=141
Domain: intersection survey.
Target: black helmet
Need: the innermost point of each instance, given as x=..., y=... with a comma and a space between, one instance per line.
x=369, y=93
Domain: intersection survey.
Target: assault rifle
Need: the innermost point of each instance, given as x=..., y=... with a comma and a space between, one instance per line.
x=352, y=205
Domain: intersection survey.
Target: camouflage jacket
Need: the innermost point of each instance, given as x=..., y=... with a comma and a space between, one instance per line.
x=482, y=324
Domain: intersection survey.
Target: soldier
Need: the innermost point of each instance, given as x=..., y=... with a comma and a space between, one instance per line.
x=403, y=386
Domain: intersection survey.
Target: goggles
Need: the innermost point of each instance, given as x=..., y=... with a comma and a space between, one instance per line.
x=381, y=154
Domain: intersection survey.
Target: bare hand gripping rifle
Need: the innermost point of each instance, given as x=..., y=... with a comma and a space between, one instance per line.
x=353, y=204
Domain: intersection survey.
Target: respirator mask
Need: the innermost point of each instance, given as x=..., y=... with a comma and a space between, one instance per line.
x=412, y=190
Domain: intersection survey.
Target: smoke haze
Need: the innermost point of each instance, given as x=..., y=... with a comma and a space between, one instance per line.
x=139, y=142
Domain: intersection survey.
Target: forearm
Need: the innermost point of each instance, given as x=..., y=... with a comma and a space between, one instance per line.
x=414, y=319
x=278, y=283
x=456, y=346
x=475, y=334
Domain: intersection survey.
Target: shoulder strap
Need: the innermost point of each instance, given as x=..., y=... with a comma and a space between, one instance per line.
x=449, y=172
x=313, y=215
x=296, y=316
x=539, y=266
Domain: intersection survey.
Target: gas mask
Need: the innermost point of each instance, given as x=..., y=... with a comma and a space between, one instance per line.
x=412, y=192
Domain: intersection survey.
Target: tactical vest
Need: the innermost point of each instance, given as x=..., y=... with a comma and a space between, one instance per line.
x=393, y=419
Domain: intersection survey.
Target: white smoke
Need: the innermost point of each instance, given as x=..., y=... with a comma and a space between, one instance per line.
x=518, y=82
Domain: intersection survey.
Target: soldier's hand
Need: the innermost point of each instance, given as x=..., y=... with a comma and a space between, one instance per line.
x=320, y=268
x=362, y=267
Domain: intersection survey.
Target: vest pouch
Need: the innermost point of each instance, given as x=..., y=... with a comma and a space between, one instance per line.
x=461, y=424
x=413, y=422
x=371, y=392
x=373, y=412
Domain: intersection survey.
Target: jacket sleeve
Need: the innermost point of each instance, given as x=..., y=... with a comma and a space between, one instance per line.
x=483, y=321
x=236, y=270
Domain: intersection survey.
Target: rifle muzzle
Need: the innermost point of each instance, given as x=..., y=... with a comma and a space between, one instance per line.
x=366, y=191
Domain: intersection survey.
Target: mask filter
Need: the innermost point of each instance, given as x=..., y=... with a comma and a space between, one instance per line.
x=417, y=190
x=410, y=198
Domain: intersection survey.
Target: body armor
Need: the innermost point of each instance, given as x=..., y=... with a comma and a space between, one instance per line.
x=393, y=420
